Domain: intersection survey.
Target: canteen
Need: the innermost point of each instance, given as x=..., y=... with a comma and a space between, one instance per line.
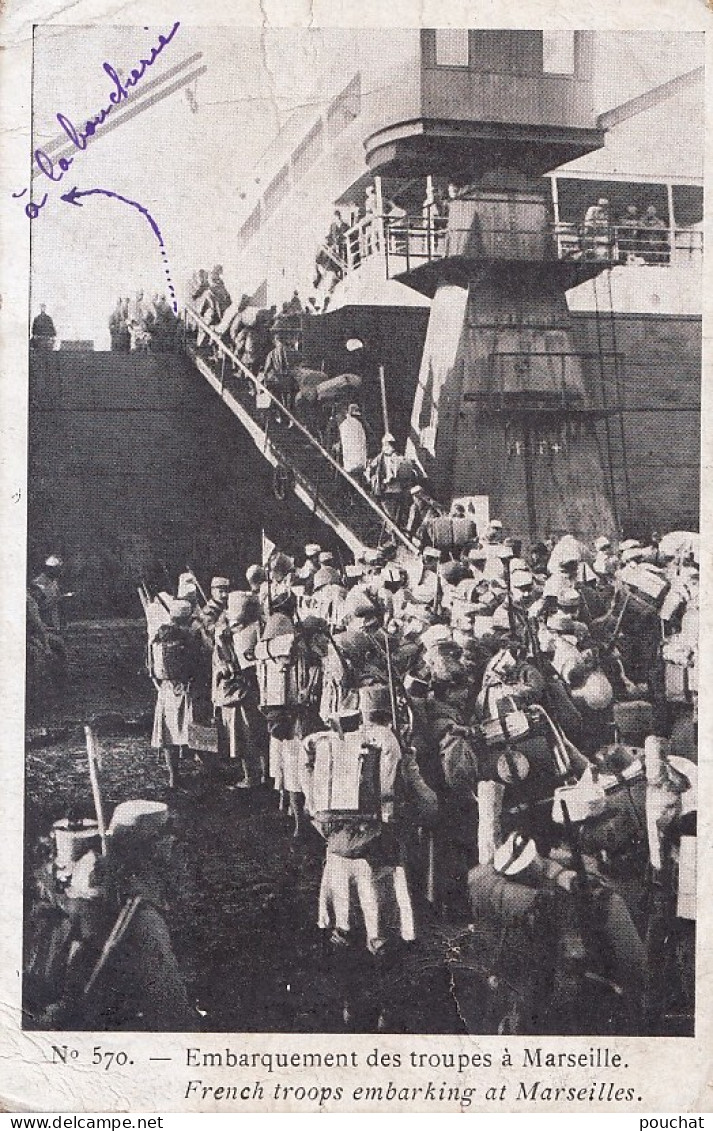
x=596, y=692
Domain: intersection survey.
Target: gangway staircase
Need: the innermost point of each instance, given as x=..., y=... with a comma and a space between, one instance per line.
x=301, y=464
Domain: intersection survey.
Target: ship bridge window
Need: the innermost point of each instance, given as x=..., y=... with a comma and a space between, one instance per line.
x=506, y=52
x=451, y=47
x=687, y=205
x=558, y=52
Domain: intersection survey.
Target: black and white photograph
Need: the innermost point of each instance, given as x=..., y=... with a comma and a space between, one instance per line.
x=363, y=497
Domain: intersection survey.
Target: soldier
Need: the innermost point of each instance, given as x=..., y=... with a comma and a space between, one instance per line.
x=428, y=589
x=310, y=566
x=391, y=476
x=176, y=655
x=46, y=653
x=219, y=291
x=214, y=609
x=235, y=688
x=353, y=444
x=277, y=373
x=364, y=900
x=328, y=596
x=255, y=576
x=288, y=675
x=47, y=590
x=113, y=963
x=44, y=334
x=423, y=510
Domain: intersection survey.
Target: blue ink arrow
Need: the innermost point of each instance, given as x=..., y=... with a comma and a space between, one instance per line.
x=72, y=197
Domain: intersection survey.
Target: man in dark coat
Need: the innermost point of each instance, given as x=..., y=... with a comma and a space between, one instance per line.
x=43, y=331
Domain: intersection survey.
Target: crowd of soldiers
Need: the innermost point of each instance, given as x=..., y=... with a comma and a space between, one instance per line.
x=470, y=729
x=144, y=325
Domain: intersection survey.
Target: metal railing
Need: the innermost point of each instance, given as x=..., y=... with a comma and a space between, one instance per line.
x=423, y=239
x=228, y=356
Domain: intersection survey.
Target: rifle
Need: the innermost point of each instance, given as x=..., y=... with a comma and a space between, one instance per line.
x=511, y=613
x=146, y=598
x=226, y=650
x=430, y=880
x=392, y=691
x=94, y=779
x=589, y=915
x=268, y=577
x=117, y=933
x=144, y=595
x=346, y=664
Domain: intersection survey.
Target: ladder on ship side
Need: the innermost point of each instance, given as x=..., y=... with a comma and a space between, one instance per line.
x=302, y=465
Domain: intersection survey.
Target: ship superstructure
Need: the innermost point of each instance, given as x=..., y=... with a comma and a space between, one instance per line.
x=467, y=167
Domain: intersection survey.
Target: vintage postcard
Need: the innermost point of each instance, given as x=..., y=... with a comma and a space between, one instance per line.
x=352, y=552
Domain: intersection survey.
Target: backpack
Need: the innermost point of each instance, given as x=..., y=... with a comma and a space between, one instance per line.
x=346, y=791
x=276, y=670
x=511, y=952
x=172, y=659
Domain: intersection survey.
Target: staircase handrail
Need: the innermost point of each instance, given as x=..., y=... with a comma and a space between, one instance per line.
x=331, y=254
x=192, y=316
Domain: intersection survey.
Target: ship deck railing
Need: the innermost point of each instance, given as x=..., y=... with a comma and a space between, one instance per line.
x=408, y=242
x=317, y=478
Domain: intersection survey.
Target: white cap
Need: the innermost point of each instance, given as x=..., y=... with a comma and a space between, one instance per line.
x=312, y=550
x=516, y=856
x=54, y=562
